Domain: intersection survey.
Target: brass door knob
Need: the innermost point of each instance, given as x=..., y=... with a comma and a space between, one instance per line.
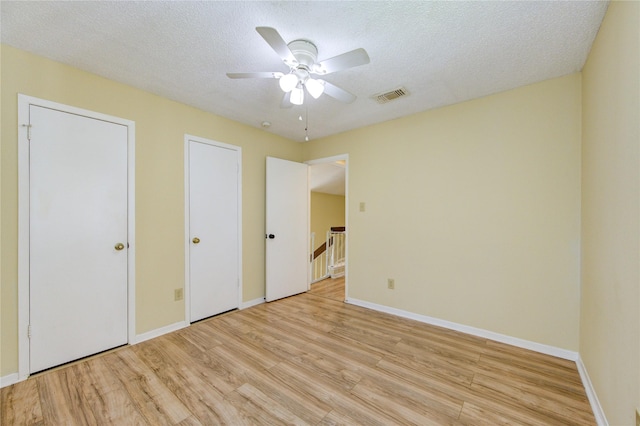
x=196, y=240
x=119, y=246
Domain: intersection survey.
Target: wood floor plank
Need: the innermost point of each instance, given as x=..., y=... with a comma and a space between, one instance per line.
x=198, y=335
x=344, y=403
x=275, y=386
x=267, y=404
x=331, y=288
x=60, y=398
x=531, y=377
x=262, y=358
x=307, y=359
x=105, y=394
x=555, y=406
x=204, y=364
x=154, y=400
x=20, y=404
x=473, y=415
x=485, y=401
x=200, y=397
x=404, y=411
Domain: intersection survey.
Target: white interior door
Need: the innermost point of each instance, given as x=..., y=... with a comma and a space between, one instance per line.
x=287, y=228
x=213, y=229
x=78, y=236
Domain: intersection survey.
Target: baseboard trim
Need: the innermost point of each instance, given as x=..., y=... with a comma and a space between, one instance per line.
x=159, y=332
x=251, y=303
x=598, y=412
x=9, y=380
x=513, y=341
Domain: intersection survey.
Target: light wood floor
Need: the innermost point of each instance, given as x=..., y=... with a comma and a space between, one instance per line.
x=306, y=360
x=329, y=288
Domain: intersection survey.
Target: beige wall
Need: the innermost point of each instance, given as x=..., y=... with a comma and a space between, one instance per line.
x=327, y=210
x=160, y=128
x=610, y=314
x=474, y=209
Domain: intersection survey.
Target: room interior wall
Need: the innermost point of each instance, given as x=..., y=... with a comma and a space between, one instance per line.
x=160, y=128
x=610, y=304
x=327, y=210
x=474, y=210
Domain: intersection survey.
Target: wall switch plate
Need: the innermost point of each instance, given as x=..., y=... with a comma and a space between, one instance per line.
x=391, y=283
x=178, y=294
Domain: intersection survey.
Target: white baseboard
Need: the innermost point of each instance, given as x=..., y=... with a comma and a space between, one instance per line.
x=9, y=379
x=513, y=341
x=598, y=412
x=159, y=332
x=251, y=303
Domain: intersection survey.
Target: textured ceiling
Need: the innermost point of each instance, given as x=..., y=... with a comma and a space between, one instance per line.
x=441, y=52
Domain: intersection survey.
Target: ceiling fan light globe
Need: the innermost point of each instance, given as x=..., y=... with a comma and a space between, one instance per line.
x=297, y=96
x=288, y=82
x=314, y=87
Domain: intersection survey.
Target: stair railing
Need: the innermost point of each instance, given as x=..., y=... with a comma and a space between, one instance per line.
x=328, y=259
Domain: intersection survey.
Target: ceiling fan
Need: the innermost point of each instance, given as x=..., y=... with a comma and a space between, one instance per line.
x=301, y=57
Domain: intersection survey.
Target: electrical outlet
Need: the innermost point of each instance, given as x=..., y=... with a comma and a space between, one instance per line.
x=178, y=294
x=391, y=283
x=362, y=206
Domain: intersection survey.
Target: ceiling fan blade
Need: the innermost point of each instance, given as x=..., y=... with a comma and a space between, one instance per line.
x=338, y=93
x=342, y=62
x=286, y=102
x=254, y=74
x=271, y=36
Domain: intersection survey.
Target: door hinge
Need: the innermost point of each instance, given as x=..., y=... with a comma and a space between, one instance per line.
x=28, y=126
x=29, y=331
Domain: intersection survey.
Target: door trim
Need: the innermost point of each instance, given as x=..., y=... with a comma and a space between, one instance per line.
x=187, y=235
x=24, y=103
x=332, y=159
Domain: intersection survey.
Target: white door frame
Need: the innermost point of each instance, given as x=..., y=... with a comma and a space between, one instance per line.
x=23, y=219
x=187, y=235
x=333, y=159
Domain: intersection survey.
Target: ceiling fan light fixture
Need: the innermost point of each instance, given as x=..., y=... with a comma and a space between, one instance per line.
x=297, y=96
x=314, y=87
x=288, y=82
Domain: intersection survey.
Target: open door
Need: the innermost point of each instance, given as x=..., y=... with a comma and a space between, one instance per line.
x=287, y=226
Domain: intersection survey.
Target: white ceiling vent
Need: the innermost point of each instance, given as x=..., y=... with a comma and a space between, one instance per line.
x=391, y=95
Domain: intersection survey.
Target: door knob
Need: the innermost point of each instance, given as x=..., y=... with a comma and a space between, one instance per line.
x=119, y=246
x=271, y=236
x=196, y=240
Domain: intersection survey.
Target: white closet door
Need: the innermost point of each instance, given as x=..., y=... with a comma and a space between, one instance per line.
x=213, y=223
x=287, y=227
x=78, y=236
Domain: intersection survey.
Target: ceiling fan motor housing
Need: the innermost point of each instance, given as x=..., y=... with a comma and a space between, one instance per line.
x=305, y=52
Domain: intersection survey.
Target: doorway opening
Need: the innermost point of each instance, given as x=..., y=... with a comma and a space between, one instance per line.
x=328, y=233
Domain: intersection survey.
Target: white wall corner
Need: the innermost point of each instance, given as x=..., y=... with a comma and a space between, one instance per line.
x=9, y=379
x=139, y=338
x=598, y=412
x=250, y=303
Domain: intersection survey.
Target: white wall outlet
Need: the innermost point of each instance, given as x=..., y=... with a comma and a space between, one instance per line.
x=362, y=206
x=391, y=283
x=178, y=294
